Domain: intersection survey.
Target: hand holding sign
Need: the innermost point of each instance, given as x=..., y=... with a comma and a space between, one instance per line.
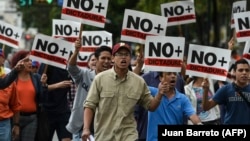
x=140, y=60
x=231, y=43
x=78, y=45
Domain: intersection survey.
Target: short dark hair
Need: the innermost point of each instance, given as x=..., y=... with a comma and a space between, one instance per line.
x=240, y=61
x=101, y=49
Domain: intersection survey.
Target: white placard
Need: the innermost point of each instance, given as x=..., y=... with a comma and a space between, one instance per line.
x=52, y=51
x=10, y=35
x=68, y=30
x=91, y=12
x=163, y=53
x=207, y=61
x=179, y=12
x=242, y=26
x=238, y=6
x=137, y=25
x=91, y=40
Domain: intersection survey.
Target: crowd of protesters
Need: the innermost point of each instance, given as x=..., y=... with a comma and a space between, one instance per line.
x=110, y=101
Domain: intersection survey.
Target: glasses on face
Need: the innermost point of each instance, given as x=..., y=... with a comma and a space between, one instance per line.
x=120, y=54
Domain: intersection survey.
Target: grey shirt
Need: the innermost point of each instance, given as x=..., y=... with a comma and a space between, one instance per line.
x=83, y=78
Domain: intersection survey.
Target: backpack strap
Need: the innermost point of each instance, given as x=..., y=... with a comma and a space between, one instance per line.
x=238, y=89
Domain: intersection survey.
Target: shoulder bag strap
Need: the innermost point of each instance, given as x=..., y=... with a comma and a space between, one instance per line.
x=237, y=89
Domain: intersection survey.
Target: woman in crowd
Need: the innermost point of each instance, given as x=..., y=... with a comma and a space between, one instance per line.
x=194, y=92
x=29, y=89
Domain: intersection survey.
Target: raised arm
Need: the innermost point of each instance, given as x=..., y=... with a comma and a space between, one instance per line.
x=73, y=57
x=10, y=77
x=230, y=44
x=207, y=104
x=163, y=88
x=139, y=64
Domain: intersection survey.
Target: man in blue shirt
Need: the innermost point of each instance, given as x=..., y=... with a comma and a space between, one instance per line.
x=173, y=109
x=152, y=79
x=231, y=96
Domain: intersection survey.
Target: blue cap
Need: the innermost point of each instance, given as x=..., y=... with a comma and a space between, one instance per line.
x=35, y=64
